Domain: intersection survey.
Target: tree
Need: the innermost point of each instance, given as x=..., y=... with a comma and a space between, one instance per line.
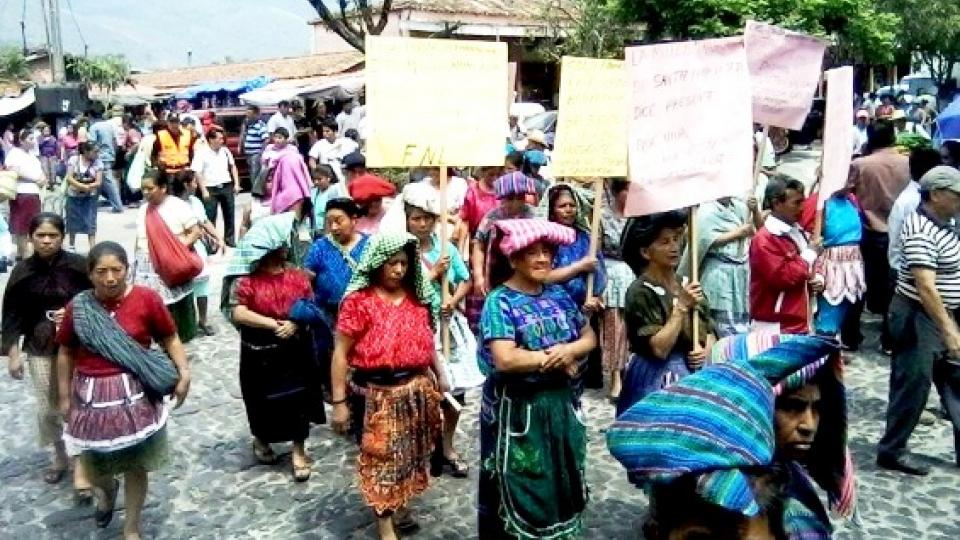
x=858, y=27
x=106, y=72
x=586, y=28
x=355, y=19
x=13, y=65
x=931, y=31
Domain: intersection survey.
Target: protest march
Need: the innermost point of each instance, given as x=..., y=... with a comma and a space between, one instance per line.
x=425, y=297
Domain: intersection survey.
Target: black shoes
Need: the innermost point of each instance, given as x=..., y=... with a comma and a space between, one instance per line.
x=902, y=464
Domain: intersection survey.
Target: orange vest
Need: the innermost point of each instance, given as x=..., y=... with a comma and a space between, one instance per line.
x=174, y=155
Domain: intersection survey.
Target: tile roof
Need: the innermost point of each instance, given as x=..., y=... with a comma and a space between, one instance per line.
x=277, y=68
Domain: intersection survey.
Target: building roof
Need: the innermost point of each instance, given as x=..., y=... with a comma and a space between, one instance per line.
x=279, y=68
x=513, y=9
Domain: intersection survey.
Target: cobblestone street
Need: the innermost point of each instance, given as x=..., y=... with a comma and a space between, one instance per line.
x=213, y=488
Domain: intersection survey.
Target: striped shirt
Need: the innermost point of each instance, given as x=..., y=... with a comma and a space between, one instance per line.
x=254, y=137
x=928, y=243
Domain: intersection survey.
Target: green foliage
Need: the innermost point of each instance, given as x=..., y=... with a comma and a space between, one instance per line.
x=931, y=30
x=106, y=72
x=13, y=65
x=857, y=27
x=586, y=28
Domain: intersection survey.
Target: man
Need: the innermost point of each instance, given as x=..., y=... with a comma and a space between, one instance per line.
x=349, y=117
x=282, y=118
x=877, y=180
x=781, y=261
x=253, y=140
x=331, y=149
x=104, y=135
x=173, y=148
x=354, y=165
x=921, y=161
x=859, y=135
x=921, y=316
x=218, y=180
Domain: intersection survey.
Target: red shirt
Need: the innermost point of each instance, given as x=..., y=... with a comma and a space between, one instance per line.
x=272, y=295
x=142, y=316
x=386, y=336
x=476, y=205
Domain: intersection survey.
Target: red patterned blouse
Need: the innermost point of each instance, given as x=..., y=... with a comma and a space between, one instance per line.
x=386, y=336
x=272, y=295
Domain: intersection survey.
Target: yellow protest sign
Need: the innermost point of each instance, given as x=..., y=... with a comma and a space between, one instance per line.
x=435, y=102
x=592, y=125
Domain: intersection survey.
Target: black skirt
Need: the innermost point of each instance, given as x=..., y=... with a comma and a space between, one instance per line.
x=277, y=382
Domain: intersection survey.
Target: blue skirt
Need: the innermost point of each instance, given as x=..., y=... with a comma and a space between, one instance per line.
x=81, y=215
x=645, y=375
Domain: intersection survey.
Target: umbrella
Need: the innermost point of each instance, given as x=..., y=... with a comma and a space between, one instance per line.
x=948, y=123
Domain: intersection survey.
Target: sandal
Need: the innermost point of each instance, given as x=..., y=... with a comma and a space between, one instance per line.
x=104, y=517
x=83, y=496
x=54, y=475
x=457, y=467
x=404, y=523
x=264, y=454
x=301, y=473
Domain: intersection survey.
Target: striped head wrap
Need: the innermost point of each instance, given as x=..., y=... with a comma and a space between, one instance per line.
x=515, y=183
x=713, y=423
x=513, y=235
x=790, y=362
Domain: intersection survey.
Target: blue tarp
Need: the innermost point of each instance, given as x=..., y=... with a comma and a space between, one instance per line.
x=239, y=86
x=948, y=123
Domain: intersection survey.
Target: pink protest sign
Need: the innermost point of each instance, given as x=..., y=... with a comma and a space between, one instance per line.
x=689, y=132
x=838, y=125
x=784, y=73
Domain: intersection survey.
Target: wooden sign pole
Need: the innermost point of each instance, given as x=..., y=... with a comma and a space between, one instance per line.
x=595, y=229
x=758, y=165
x=694, y=273
x=444, y=281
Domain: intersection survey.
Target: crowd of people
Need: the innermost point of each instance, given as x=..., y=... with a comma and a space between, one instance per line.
x=377, y=309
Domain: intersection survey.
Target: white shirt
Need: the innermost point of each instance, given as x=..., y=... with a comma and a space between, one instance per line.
x=906, y=204
x=769, y=159
x=176, y=213
x=28, y=168
x=350, y=121
x=332, y=153
x=779, y=227
x=858, y=138
x=278, y=120
x=214, y=167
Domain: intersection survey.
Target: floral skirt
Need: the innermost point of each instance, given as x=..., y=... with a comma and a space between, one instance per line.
x=613, y=340
x=115, y=425
x=400, y=427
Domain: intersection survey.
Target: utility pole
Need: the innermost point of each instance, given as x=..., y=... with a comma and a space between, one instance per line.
x=56, y=42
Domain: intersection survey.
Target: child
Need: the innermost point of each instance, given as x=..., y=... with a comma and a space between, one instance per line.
x=185, y=186
x=323, y=177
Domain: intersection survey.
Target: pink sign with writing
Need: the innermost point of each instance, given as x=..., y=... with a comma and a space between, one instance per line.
x=837, y=132
x=689, y=131
x=785, y=70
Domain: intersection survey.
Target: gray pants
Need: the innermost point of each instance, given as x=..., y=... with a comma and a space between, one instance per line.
x=918, y=361
x=253, y=164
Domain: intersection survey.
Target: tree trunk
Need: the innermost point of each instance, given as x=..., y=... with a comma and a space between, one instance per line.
x=354, y=33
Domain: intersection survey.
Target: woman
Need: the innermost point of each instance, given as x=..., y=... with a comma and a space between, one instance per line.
x=657, y=309
x=480, y=199
x=69, y=143
x=571, y=206
x=462, y=373
x=331, y=261
x=385, y=335
x=613, y=337
x=289, y=176
x=369, y=192
x=30, y=179
x=512, y=190
x=532, y=441
x=268, y=305
x=115, y=423
x=181, y=222
x=185, y=186
x=724, y=230
x=49, y=149
x=38, y=289
x=84, y=178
